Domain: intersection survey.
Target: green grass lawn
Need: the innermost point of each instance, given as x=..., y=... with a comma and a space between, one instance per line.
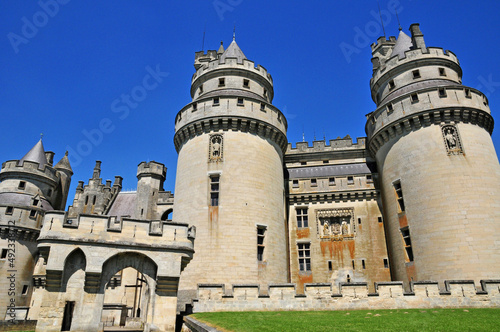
x=356, y=320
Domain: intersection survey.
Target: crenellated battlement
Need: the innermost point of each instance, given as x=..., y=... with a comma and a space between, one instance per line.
x=12, y=168
x=108, y=229
x=347, y=296
x=338, y=144
x=151, y=168
x=415, y=58
x=231, y=64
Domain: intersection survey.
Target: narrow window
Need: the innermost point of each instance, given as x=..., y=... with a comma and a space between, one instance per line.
x=35, y=202
x=195, y=107
x=331, y=181
x=201, y=89
x=330, y=266
x=467, y=93
x=302, y=221
x=240, y=101
x=304, y=256
x=86, y=200
x=94, y=199
x=369, y=178
x=359, y=221
x=391, y=85
x=416, y=74
x=442, y=92
x=314, y=183
x=32, y=213
x=386, y=263
x=414, y=98
x=350, y=180
x=9, y=210
x=363, y=264
x=295, y=183
x=25, y=289
x=262, y=107
x=380, y=219
x=261, y=233
x=246, y=83
x=222, y=82
x=265, y=93
x=4, y=253
x=214, y=190
x=353, y=265
x=405, y=233
x=22, y=185
x=485, y=101
x=390, y=108
x=399, y=196
x=442, y=72
x=216, y=101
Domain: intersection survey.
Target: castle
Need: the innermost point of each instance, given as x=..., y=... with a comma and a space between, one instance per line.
x=413, y=201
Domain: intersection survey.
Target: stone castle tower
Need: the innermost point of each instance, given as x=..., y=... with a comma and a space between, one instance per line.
x=29, y=188
x=229, y=183
x=439, y=173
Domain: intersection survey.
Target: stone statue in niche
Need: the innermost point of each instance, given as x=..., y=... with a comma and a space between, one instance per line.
x=345, y=228
x=215, y=150
x=337, y=229
x=326, y=228
x=451, y=140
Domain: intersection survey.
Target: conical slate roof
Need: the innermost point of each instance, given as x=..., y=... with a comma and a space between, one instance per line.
x=36, y=154
x=64, y=163
x=402, y=45
x=233, y=51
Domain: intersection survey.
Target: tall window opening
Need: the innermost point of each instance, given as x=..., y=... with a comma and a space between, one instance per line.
x=405, y=233
x=214, y=190
x=399, y=196
x=261, y=233
x=304, y=256
x=302, y=220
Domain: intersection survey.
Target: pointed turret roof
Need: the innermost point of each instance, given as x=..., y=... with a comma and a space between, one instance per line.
x=221, y=48
x=402, y=45
x=233, y=51
x=36, y=154
x=64, y=163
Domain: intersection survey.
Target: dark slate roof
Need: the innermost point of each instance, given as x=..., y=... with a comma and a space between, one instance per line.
x=402, y=45
x=36, y=154
x=64, y=163
x=331, y=170
x=124, y=205
x=233, y=51
x=19, y=199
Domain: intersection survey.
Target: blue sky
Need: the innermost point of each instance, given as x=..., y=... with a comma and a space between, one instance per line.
x=65, y=68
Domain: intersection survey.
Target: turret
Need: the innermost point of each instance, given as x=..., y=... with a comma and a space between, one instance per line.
x=151, y=176
x=231, y=141
x=430, y=136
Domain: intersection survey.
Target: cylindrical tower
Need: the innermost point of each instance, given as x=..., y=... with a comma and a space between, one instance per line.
x=229, y=182
x=439, y=172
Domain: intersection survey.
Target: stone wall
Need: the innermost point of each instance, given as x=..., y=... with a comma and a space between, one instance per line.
x=350, y=296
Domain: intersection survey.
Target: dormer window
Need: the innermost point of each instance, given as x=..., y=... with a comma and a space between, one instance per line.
x=416, y=74
x=222, y=81
x=246, y=83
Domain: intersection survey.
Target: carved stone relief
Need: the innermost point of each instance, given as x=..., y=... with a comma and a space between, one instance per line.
x=335, y=223
x=215, y=150
x=452, y=139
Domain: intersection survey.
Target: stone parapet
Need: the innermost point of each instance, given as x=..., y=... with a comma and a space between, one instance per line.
x=11, y=168
x=349, y=296
x=339, y=144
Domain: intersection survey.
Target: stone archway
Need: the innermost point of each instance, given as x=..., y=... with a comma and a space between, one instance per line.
x=78, y=259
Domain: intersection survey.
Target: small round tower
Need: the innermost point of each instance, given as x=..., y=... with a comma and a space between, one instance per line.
x=440, y=176
x=229, y=182
x=29, y=187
